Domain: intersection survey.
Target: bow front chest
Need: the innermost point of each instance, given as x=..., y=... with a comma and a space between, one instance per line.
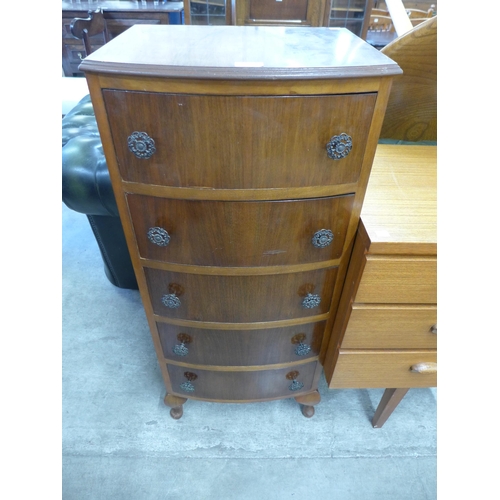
x=239, y=157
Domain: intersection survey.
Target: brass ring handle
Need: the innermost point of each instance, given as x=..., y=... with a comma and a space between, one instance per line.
x=425, y=367
x=434, y=329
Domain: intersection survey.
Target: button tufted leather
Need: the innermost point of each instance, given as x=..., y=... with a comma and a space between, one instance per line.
x=86, y=188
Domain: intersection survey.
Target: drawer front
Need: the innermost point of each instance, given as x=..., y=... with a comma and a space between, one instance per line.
x=242, y=385
x=391, y=327
x=218, y=141
x=399, y=281
x=240, y=299
x=375, y=369
x=223, y=233
x=241, y=347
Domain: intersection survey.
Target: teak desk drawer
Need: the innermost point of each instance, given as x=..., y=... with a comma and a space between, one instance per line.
x=236, y=142
x=373, y=369
x=398, y=280
x=239, y=233
x=242, y=385
x=241, y=347
x=391, y=327
x=240, y=299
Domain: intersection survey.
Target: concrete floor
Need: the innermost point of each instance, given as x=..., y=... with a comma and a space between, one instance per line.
x=119, y=441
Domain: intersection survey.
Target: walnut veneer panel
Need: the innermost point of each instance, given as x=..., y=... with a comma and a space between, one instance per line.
x=216, y=141
x=216, y=233
x=391, y=327
x=243, y=385
x=241, y=347
x=372, y=369
x=240, y=299
x=399, y=280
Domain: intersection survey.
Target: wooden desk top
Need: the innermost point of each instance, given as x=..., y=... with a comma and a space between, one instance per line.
x=399, y=213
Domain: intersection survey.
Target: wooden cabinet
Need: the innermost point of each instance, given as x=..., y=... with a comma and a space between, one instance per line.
x=119, y=14
x=280, y=12
x=385, y=332
x=351, y=14
x=239, y=172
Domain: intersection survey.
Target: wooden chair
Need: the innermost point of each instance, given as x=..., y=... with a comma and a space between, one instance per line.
x=93, y=25
x=411, y=113
x=418, y=16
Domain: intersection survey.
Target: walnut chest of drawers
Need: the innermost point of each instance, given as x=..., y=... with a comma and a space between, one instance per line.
x=385, y=331
x=239, y=157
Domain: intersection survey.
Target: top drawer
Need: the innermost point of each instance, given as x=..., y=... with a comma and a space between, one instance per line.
x=237, y=142
x=398, y=280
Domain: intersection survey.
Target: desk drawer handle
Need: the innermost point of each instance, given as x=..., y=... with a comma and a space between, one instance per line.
x=141, y=145
x=434, y=329
x=295, y=385
x=322, y=238
x=339, y=146
x=424, y=368
x=158, y=236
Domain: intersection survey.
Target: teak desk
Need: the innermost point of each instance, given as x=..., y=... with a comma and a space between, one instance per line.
x=385, y=331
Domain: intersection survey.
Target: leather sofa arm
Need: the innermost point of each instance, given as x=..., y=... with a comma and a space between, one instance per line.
x=86, y=186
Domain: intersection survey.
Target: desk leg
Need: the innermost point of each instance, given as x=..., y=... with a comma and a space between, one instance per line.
x=388, y=403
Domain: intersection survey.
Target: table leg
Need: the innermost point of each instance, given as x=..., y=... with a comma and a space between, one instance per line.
x=390, y=399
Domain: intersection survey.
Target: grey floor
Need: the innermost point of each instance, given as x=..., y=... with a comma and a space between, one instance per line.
x=119, y=441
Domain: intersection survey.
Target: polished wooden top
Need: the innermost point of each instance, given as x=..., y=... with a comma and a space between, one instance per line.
x=239, y=52
x=399, y=213
x=122, y=6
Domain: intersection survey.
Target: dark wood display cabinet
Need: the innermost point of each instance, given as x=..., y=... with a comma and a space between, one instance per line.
x=239, y=171
x=120, y=15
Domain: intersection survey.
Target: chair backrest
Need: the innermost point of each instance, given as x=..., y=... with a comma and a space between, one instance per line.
x=411, y=113
x=93, y=25
x=381, y=23
x=418, y=16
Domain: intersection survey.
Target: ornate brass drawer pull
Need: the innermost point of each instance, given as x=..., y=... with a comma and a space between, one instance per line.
x=181, y=349
x=295, y=385
x=188, y=386
x=301, y=349
x=171, y=299
x=322, y=238
x=141, y=145
x=339, y=146
x=158, y=236
x=311, y=300
x=424, y=368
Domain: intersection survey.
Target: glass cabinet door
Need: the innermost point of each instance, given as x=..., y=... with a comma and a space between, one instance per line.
x=348, y=14
x=207, y=12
